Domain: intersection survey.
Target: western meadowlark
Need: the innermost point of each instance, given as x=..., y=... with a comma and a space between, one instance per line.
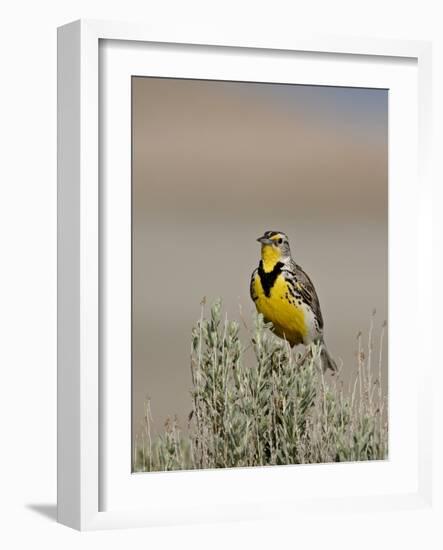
x=286, y=297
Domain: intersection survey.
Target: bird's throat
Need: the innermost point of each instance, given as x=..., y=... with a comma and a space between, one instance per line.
x=270, y=256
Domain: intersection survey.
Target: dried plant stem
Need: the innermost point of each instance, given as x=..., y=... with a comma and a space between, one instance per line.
x=283, y=409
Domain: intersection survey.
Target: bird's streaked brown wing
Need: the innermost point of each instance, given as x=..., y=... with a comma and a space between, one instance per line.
x=252, y=287
x=301, y=284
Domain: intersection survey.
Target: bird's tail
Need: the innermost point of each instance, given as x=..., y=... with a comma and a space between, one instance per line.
x=326, y=360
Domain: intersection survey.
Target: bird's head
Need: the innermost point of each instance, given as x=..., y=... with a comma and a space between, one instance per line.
x=274, y=248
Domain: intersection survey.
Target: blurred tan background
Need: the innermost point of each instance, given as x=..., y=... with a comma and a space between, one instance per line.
x=215, y=164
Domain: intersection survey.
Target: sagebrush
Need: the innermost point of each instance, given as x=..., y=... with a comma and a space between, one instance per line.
x=282, y=409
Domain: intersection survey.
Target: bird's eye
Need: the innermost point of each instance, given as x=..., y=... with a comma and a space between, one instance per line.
x=279, y=241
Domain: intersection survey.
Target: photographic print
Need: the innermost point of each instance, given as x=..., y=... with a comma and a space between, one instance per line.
x=259, y=274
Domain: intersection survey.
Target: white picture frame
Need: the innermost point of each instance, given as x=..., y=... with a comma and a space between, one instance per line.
x=83, y=469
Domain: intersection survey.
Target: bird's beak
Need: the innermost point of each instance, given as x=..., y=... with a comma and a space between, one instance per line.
x=264, y=240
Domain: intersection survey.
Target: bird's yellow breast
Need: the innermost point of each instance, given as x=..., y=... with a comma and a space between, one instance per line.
x=282, y=309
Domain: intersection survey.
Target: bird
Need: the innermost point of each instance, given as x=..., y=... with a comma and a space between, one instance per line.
x=285, y=296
